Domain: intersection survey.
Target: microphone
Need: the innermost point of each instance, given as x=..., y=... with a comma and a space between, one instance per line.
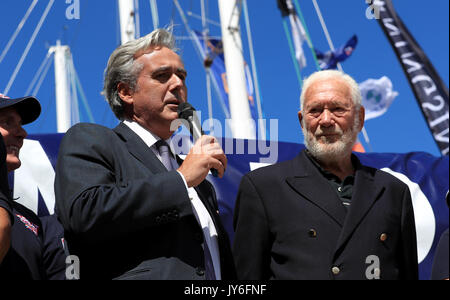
x=187, y=112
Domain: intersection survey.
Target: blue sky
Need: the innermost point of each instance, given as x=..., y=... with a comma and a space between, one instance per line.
x=95, y=35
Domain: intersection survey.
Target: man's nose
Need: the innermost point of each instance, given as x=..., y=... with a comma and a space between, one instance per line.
x=326, y=118
x=176, y=87
x=176, y=81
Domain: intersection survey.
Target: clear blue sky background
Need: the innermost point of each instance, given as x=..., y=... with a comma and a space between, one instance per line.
x=96, y=34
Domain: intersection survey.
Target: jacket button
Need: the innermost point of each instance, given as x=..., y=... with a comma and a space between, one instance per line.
x=312, y=233
x=335, y=270
x=383, y=237
x=200, y=271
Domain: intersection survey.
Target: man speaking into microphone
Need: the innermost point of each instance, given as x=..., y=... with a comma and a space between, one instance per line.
x=130, y=207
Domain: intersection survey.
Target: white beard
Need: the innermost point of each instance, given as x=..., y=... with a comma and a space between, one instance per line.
x=329, y=150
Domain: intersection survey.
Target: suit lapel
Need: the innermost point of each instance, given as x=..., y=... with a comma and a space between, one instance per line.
x=364, y=196
x=139, y=149
x=309, y=183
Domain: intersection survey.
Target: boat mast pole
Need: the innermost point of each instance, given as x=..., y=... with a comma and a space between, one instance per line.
x=127, y=20
x=63, y=106
x=242, y=124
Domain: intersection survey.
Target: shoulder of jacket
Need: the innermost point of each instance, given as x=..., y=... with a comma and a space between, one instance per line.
x=271, y=171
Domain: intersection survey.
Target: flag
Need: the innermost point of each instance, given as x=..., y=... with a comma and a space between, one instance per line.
x=330, y=59
x=298, y=31
x=212, y=53
x=430, y=91
x=377, y=96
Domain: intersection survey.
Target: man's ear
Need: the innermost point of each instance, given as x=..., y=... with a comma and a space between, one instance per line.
x=125, y=93
x=362, y=117
x=300, y=118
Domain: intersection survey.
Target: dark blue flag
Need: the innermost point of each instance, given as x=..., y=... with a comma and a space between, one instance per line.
x=330, y=59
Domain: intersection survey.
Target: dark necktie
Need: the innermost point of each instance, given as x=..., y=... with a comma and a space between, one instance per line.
x=165, y=153
x=209, y=267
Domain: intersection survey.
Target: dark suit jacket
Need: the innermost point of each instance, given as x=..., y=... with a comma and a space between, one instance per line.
x=291, y=224
x=125, y=216
x=36, y=251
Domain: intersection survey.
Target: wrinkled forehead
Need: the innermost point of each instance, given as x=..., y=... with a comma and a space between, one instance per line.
x=328, y=90
x=153, y=50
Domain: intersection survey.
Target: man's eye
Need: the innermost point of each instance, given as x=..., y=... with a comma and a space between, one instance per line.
x=162, y=76
x=314, y=112
x=339, y=111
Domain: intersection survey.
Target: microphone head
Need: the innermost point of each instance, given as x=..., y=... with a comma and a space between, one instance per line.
x=185, y=110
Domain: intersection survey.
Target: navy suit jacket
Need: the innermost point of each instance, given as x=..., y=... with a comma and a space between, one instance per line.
x=125, y=216
x=291, y=224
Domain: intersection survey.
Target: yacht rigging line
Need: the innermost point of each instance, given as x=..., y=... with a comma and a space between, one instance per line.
x=18, y=29
x=330, y=43
x=27, y=49
x=38, y=73
x=261, y=130
x=198, y=47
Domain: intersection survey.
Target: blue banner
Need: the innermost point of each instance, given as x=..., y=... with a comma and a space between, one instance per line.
x=427, y=177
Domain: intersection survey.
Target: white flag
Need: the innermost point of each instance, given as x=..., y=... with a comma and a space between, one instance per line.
x=298, y=34
x=377, y=96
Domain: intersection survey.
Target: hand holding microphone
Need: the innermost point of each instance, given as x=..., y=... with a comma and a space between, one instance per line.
x=205, y=155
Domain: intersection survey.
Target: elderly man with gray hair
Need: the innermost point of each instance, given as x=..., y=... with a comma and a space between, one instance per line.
x=130, y=207
x=323, y=215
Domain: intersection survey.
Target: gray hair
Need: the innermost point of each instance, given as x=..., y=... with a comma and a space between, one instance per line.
x=332, y=74
x=122, y=65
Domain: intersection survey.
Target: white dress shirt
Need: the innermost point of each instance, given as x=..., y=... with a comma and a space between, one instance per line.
x=200, y=211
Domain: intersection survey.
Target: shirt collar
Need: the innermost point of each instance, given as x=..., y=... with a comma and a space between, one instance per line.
x=146, y=135
x=355, y=162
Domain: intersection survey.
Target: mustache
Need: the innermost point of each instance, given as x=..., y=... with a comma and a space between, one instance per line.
x=328, y=131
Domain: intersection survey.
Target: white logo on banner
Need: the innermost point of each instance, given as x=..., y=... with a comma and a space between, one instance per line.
x=423, y=214
x=35, y=174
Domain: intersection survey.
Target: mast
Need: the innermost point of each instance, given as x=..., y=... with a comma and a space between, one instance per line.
x=242, y=124
x=127, y=20
x=63, y=111
x=155, y=17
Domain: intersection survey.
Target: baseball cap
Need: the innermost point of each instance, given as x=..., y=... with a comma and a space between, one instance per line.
x=27, y=107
